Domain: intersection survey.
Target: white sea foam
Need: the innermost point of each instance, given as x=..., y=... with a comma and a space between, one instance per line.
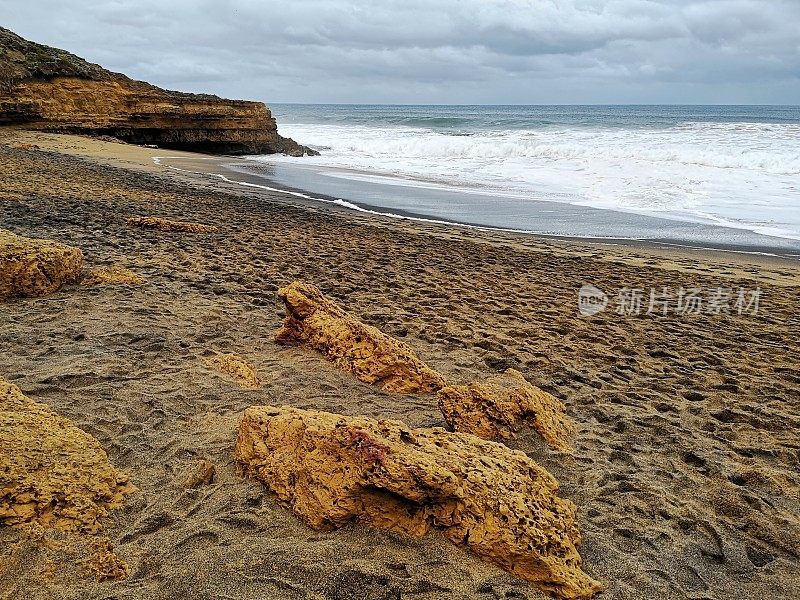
x=742, y=175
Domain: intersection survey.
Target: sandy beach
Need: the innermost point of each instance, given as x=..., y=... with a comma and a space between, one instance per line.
x=685, y=463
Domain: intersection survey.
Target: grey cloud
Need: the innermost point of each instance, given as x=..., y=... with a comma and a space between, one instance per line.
x=448, y=51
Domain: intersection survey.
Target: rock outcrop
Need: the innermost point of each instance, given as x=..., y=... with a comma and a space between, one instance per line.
x=35, y=267
x=360, y=349
x=331, y=470
x=169, y=225
x=496, y=408
x=52, y=472
x=49, y=89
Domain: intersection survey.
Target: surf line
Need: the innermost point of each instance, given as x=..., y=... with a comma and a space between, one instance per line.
x=603, y=241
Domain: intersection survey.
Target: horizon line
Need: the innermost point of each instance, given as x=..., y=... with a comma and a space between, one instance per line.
x=531, y=104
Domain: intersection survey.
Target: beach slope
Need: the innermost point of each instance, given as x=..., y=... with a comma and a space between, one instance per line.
x=685, y=453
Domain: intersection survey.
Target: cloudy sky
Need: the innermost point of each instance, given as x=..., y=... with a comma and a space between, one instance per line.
x=437, y=51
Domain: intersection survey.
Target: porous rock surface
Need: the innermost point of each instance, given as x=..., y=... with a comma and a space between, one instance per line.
x=331, y=469
x=360, y=349
x=499, y=406
x=52, y=472
x=35, y=267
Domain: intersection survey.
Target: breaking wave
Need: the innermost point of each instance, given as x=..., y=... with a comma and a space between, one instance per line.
x=742, y=173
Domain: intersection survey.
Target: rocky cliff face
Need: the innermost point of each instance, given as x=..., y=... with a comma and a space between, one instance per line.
x=49, y=89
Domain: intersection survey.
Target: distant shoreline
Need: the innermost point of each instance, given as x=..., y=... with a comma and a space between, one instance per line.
x=140, y=158
x=238, y=171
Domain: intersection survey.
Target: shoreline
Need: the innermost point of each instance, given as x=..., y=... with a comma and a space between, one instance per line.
x=153, y=160
x=670, y=166
x=224, y=163
x=228, y=166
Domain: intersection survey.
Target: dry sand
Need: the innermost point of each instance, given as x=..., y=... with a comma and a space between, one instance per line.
x=685, y=468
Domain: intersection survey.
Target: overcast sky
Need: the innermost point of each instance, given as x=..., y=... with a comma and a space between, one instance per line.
x=437, y=51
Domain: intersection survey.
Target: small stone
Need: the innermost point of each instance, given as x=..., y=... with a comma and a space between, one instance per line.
x=203, y=474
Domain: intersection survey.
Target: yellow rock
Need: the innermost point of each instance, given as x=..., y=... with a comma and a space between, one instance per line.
x=237, y=368
x=35, y=267
x=113, y=276
x=202, y=474
x=331, y=470
x=496, y=408
x=104, y=563
x=360, y=349
x=52, y=472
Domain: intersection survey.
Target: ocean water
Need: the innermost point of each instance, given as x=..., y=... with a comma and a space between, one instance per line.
x=737, y=167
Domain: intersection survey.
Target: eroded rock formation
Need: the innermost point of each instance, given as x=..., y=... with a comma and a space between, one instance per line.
x=52, y=472
x=360, y=349
x=497, y=407
x=36, y=267
x=331, y=469
x=49, y=89
x=169, y=225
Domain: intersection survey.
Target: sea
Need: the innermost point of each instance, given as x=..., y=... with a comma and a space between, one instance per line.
x=716, y=175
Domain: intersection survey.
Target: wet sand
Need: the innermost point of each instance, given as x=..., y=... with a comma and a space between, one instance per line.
x=685, y=463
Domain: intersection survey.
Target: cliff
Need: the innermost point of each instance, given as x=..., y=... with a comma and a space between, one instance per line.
x=52, y=90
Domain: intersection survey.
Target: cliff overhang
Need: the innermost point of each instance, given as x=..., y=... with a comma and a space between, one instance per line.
x=48, y=89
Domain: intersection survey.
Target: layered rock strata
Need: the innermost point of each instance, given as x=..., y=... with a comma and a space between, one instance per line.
x=49, y=89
